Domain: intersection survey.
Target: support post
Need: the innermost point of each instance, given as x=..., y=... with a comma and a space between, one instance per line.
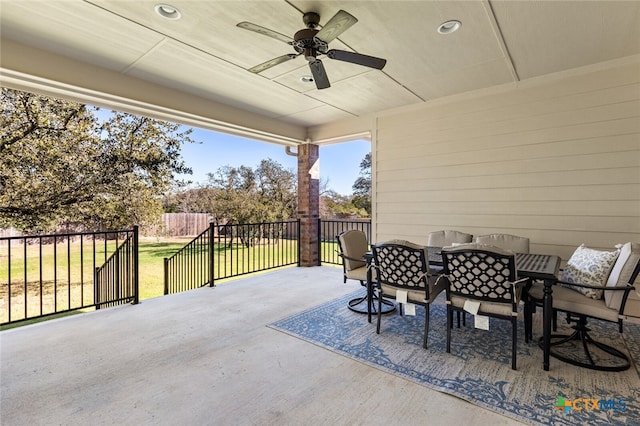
x=309, y=203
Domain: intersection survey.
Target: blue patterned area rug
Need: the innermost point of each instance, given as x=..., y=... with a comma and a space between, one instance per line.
x=478, y=369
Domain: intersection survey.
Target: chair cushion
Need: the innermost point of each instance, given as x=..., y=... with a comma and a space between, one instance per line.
x=487, y=308
x=447, y=237
x=417, y=296
x=591, y=267
x=354, y=245
x=569, y=300
x=413, y=296
x=358, y=273
x=614, y=276
x=629, y=256
x=479, y=246
x=510, y=242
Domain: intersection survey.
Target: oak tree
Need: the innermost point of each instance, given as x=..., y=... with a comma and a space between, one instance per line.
x=60, y=164
x=362, y=186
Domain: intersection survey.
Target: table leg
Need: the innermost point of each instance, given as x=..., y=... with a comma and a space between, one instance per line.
x=547, y=312
x=369, y=291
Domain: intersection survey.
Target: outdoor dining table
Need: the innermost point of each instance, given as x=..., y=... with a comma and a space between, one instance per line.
x=542, y=267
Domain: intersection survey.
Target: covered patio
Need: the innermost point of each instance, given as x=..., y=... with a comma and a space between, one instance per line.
x=523, y=121
x=526, y=121
x=207, y=357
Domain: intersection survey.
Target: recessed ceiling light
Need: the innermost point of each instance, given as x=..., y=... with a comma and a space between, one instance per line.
x=167, y=11
x=449, y=27
x=306, y=79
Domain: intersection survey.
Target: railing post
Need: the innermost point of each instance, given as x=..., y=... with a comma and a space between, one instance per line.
x=211, y=264
x=166, y=276
x=136, y=269
x=319, y=242
x=96, y=288
x=299, y=241
x=115, y=277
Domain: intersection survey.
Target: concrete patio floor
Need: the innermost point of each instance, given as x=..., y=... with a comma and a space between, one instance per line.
x=206, y=357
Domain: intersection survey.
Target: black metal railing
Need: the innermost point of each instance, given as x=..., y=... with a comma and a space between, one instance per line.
x=117, y=280
x=191, y=266
x=226, y=251
x=329, y=229
x=44, y=275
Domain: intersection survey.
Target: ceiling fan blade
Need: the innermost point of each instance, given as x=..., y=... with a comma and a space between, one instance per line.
x=265, y=31
x=340, y=22
x=357, y=58
x=272, y=63
x=319, y=74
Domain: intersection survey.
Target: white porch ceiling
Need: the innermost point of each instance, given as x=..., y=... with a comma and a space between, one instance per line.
x=205, y=56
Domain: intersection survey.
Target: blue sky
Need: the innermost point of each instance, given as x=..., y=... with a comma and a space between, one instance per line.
x=339, y=163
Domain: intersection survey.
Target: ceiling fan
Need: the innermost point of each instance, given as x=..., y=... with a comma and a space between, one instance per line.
x=311, y=43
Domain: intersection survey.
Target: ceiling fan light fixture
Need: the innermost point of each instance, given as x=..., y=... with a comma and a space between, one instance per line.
x=167, y=11
x=449, y=27
x=306, y=79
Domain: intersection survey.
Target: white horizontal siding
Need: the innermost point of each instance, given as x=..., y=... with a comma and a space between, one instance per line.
x=557, y=161
x=626, y=208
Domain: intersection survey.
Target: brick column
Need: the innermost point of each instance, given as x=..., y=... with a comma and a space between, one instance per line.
x=308, y=204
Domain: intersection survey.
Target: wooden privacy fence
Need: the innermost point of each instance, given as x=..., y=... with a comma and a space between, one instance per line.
x=6, y=233
x=180, y=225
x=172, y=225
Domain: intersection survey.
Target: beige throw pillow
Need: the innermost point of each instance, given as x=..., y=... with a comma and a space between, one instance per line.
x=591, y=267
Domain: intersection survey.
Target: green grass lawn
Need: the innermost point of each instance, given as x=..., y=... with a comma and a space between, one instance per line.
x=69, y=268
x=66, y=267
x=150, y=265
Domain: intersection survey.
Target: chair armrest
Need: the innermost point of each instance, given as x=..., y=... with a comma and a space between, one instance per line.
x=519, y=286
x=351, y=258
x=429, y=274
x=625, y=287
x=441, y=277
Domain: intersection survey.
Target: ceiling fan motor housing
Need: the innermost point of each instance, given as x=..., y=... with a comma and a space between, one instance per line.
x=305, y=41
